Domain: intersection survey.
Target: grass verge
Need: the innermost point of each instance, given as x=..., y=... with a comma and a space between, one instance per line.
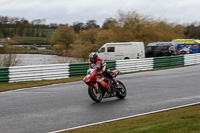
x=183, y=120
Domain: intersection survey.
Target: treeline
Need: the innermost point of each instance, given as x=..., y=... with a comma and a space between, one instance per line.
x=10, y=27
x=14, y=26
x=192, y=30
x=81, y=38
x=128, y=26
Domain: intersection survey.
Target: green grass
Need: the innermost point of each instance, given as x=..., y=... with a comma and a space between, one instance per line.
x=43, y=39
x=47, y=32
x=183, y=120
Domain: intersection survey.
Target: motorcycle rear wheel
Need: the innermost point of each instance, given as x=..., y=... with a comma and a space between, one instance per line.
x=122, y=91
x=94, y=95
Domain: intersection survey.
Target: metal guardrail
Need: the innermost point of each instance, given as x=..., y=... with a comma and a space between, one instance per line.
x=38, y=72
x=197, y=58
x=78, y=69
x=134, y=64
x=168, y=61
x=191, y=59
x=67, y=70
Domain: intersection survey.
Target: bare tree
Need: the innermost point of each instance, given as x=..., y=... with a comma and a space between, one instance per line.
x=7, y=58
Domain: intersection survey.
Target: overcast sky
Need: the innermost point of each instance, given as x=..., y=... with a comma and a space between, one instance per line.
x=69, y=11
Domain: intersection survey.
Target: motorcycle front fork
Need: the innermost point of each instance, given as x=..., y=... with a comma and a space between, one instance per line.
x=96, y=87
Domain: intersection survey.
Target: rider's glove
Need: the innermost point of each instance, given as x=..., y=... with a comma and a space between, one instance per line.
x=99, y=73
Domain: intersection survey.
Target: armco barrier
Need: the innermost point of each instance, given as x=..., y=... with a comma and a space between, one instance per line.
x=134, y=64
x=111, y=65
x=168, y=61
x=190, y=59
x=197, y=58
x=4, y=74
x=78, y=69
x=176, y=61
x=38, y=72
x=59, y=71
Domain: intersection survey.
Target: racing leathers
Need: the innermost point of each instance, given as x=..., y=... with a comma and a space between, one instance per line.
x=102, y=68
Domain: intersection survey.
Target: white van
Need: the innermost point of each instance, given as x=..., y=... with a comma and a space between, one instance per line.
x=122, y=50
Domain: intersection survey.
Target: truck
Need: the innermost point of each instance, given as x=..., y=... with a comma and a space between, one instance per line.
x=184, y=48
x=157, y=49
x=122, y=50
x=187, y=41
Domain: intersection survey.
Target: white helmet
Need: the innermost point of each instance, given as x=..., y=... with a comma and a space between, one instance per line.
x=92, y=57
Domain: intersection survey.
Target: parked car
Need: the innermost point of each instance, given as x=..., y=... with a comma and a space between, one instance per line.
x=157, y=49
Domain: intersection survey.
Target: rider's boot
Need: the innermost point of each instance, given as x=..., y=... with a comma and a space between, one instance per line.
x=110, y=87
x=115, y=82
x=107, y=86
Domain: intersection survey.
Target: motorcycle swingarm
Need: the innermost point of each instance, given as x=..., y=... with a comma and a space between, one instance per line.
x=107, y=95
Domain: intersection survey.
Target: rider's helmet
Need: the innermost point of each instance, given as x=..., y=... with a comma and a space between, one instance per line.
x=92, y=57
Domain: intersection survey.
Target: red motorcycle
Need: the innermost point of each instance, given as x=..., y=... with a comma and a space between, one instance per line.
x=98, y=84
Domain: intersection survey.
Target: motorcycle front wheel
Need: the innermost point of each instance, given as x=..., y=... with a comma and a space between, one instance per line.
x=94, y=95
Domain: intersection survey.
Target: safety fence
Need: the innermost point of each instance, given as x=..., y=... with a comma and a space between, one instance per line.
x=68, y=70
x=38, y=72
x=45, y=72
x=191, y=59
x=133, y=65
x=168, y=61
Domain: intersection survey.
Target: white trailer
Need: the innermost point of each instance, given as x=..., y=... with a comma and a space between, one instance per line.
x=122, y=50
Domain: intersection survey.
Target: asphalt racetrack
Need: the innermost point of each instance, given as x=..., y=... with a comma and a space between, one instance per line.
x=62, y=106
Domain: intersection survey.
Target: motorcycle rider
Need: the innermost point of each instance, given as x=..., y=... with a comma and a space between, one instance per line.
x=102, y=68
